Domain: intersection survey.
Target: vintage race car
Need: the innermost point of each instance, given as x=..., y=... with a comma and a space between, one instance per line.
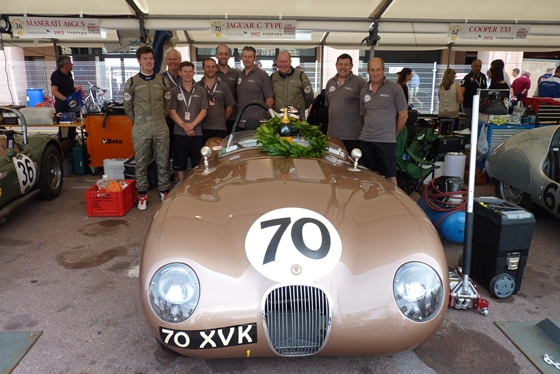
x=257, y=255
x=526, y=169
x=30, y=166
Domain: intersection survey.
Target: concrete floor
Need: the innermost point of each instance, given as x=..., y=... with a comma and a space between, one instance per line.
x=75, y=278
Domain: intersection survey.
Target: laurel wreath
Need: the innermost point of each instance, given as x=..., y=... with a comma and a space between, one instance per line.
x=268, y=137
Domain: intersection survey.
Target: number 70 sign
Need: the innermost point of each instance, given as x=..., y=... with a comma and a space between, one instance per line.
x=293, y=245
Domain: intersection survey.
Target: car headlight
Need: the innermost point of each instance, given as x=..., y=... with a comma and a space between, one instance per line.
x=418, y=291
x=174, y=292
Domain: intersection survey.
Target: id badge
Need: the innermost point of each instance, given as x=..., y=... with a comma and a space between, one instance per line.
x=211, y=102
x=187, y=116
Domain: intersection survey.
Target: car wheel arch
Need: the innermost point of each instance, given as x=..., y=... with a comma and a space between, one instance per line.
x=511, y=167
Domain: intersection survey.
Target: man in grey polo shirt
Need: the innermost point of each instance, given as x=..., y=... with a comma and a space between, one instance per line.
x=229, y=76
x=220, y=102
x=342, y=96
x=189, y=105
x=385, y=110
x=253, y=85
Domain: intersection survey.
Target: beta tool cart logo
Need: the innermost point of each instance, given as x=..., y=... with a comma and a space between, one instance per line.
x=111, y=141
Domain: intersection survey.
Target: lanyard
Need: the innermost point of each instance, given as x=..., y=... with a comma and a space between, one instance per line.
x=208, y=90
x=479, y=81
x=171, y=79
x=190, y=97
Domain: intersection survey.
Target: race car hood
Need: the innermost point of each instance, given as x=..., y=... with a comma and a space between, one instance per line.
x=208, y=217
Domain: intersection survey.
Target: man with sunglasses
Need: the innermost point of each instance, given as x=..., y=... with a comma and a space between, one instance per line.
x=220, y=102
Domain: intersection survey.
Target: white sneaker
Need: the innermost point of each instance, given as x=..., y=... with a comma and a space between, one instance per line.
x=163, y=195
x=143, y=202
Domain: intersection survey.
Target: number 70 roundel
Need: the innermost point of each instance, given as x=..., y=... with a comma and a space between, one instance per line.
x=293, y=245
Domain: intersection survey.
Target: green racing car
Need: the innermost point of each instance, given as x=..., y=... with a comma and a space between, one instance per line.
x=30, y=166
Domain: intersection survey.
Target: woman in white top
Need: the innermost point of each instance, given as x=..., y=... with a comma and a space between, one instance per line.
x=450, y=95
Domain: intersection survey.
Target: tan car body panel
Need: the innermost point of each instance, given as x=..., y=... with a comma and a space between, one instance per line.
x=204, y=222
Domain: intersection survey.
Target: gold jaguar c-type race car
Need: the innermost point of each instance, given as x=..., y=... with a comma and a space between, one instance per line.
x=265, y=251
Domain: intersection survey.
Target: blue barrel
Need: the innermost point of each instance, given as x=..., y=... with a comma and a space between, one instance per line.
x=452, y=227
x=34, y=96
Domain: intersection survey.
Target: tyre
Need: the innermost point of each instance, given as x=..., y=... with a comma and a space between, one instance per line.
x=50, y=179
x=513, y=195
x=502, y=286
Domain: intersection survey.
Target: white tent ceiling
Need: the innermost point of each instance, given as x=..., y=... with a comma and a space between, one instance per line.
x=403, y=24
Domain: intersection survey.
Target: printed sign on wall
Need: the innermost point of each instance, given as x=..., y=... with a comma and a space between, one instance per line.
x=57, y=28
x=232, y=29
x=487, y=33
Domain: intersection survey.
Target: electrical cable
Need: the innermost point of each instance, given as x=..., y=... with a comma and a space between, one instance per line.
x=6, y=68
x=134, y=42
x=440, y=201
x=29, y=50
x=43, y=54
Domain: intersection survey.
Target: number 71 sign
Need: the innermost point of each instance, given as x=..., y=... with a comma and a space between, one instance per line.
x=293, y=245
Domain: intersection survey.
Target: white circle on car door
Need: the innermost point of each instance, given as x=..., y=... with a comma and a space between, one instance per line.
x=293, y=245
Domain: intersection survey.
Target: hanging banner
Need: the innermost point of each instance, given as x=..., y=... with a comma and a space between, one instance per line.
x=57, y=28
x=487, y=33
x=245, y=29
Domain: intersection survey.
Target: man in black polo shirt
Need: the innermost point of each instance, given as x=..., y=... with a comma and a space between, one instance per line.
x=62, y=86
x=470, y=84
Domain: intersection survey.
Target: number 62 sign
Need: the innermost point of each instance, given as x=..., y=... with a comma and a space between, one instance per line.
x=293, y=245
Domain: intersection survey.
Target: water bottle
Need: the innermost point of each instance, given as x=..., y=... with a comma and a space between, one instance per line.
x=518, y=112
x=103, y=183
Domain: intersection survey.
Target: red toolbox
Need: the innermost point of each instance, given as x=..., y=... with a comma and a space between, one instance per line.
x=114, y=140
x=100, y=203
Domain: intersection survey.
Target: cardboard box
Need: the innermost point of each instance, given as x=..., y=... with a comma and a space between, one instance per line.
x=39, y=116
x=69, y=117
x=100, y=203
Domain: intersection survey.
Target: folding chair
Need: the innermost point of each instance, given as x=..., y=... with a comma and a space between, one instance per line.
x=414, y=160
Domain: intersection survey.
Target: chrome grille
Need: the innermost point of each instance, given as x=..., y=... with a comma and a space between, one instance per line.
x=297, y=319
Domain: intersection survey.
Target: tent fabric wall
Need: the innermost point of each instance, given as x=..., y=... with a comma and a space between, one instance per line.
x=403, y=24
